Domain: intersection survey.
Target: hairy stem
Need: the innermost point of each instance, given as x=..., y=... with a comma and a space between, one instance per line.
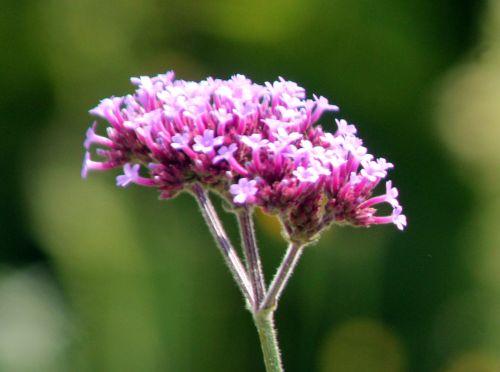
x=252, y=257
x=251, y=281
x=264, y=321
x=228, y=252
x=282, y=276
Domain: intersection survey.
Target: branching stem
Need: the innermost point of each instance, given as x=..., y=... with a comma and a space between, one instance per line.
x=262, y=303
x=227, y=250
x=252, y=256
x=282, y=276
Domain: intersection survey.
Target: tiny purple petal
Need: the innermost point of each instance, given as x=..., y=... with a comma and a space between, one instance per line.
x=263, y=132
x=399, y=219
x=320, y=169
x=324, y=105
x=254, y=141
x=284, y=137
x=244, y=191
x=131, y=174
x=344, y=128
x=90, y=136
x=308, y=175
x=180, y=141
x=207, y=142
x=85, y=169
x=89, y=164
x=93, y=138
x=225, y=153
x=374, y=170
x=391, y=194
x=108, y=109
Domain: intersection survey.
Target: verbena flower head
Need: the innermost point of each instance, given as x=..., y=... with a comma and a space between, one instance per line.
x=257, y=145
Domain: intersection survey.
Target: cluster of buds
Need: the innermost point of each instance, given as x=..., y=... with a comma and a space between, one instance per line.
x=256, y=145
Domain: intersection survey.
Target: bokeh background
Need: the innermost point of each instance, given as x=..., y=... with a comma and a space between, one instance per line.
x=95, y=278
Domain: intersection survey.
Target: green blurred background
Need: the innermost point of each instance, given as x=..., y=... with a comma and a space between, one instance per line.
x=95, y=278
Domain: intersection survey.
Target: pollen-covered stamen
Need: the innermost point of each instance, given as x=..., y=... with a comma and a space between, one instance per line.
x=131, y=175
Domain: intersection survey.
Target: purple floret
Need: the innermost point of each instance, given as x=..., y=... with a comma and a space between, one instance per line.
x=257, y=145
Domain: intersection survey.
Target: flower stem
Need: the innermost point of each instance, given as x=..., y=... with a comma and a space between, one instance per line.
x=282, y=276
x=264, y=317
x=251, y=281
x=228, y=252
x=264, y=321
x=252, y=257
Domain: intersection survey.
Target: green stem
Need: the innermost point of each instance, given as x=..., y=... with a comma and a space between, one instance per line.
x=228, y=252
x=252, y=256
x=264, y=321
x=282, y=276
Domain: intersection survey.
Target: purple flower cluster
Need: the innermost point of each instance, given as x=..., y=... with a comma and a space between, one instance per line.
x=256, y=145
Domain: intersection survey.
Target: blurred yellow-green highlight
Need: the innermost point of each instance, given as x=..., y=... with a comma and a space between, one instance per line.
x=95, y=278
